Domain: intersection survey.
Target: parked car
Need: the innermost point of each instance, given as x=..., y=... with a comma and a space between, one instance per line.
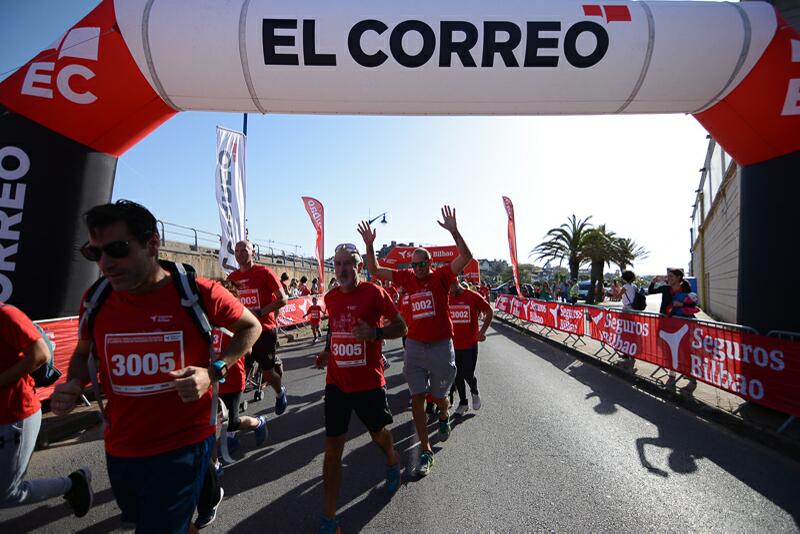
x=509, y=288
x=583, y=289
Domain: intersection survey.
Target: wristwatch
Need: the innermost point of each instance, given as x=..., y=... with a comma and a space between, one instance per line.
x=218, y=371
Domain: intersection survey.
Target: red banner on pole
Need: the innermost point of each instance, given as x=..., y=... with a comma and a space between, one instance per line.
x=512, y=242
x=316, y=211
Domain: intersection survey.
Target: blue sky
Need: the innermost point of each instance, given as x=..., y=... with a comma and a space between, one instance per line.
x=637, y=174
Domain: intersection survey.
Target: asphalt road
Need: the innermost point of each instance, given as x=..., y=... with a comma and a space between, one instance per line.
x=558, y=445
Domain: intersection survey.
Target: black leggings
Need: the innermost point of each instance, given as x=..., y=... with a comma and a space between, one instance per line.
x=466, y=360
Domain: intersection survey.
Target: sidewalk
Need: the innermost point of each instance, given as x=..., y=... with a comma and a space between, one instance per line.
x=757, y=422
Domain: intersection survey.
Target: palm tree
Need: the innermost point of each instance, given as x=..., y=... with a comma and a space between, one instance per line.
x=627, y=252
x=599, y=247
x=565, y=243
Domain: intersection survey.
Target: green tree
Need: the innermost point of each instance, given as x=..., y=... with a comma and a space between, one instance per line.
x=565, y=243
x=627, y=252
x=599, y=247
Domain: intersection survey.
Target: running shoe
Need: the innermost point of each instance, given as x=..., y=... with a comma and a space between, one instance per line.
x=204, y=521
x=386, y=362
x=444, y=429
x=392, y=478
x=329, y=526
x=80, y=496
x=425, y=463
x=476, y=402
x=233, y=443
x=281, y=402
x=261, y=431
x=219, y=467
x=462, y=409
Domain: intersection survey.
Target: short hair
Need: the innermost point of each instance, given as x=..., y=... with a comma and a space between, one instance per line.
x=303, y=279
x=138, y=219
x=424, y=251
x=246, y=243
x=284, y=276
x=628, y=276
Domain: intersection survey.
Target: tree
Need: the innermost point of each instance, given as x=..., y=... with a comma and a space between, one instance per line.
x=627, y=252
x=565, y=243
x=599, y=246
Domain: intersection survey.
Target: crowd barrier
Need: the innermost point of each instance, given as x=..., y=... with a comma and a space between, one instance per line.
x=760, y=369
x=64, y=334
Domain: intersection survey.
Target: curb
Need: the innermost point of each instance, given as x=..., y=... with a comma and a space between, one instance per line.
x=762, y=435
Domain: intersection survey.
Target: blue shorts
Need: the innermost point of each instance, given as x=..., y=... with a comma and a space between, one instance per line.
x=159, y=493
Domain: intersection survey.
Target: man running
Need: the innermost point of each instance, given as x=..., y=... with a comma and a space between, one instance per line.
x=22, y=351
x=355, y=380
x=315, y=312
x=465, y=307
x=262, y=293
x=154, y=368
x=429, y=364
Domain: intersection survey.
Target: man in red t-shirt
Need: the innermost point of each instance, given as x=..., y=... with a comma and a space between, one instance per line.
x=429, y=365
x=154, y=365
x=315, y=313
x=465, y=307
x=262, y=293
x=22, y=351
x=355, y=380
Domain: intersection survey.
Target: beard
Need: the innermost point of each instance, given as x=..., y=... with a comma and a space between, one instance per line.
x=347, y=278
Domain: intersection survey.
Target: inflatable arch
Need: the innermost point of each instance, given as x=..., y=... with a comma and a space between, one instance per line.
x=129, y=65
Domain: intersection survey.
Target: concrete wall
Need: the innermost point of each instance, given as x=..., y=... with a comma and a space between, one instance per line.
x=206, y=262
x=716, y=253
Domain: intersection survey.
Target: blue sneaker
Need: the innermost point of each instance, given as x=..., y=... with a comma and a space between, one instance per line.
x=425, y=463
x=329, y=526
x=444, y=429
x=281, y=402
x=233, y=444
x=261, y=432
x=392, y=478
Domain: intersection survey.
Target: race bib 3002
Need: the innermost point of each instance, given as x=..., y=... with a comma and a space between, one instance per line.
x=138, y=363
x=347, y=351
x=422, y=305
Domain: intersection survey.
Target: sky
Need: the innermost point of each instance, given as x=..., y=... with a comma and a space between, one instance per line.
x=636, y=174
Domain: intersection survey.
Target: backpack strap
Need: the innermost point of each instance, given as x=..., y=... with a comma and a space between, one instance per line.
x=184, y=278
x=95, y=297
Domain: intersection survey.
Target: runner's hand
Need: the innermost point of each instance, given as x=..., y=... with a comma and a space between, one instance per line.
x=64, y=397
x=363, y=332
x=481, y=336
x=448, y=219
x=191, y=382
x=367, y=233
x=322, y=359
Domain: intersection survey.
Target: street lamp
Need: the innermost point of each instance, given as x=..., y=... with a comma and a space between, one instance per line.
x=383, y=221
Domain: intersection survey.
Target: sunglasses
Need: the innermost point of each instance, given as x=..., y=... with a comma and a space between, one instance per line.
x=115, y=249
x=420, y=264
x=349, y=247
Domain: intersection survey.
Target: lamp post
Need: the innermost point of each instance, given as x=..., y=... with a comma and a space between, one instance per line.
x=383, y=221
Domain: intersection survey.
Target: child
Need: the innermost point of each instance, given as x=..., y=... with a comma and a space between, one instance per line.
x=315, y=312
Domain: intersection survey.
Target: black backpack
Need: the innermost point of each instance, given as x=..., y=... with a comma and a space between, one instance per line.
x=47, y=374
x=639, y=300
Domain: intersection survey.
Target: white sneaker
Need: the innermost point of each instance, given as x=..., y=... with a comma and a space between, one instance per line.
x=462, y=409
x=476, y=402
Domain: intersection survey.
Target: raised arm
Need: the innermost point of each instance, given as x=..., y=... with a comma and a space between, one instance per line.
x=449, y=224
x=368, y=235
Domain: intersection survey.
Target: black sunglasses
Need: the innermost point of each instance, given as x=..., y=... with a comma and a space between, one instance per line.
x=421, y=264
x=115, y=249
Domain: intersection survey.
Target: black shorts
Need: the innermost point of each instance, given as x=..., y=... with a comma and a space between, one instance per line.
x=232, y=402
x=264, y=352
x=371, y=406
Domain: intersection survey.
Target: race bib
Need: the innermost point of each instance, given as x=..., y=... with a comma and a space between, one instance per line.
x=459, y=313
x=422, y=305
x=315, y=315
x=249, y=298
x=138, y=363
x=347, y=351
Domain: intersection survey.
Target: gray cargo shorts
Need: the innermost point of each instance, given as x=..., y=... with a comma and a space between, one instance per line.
x=430, y=367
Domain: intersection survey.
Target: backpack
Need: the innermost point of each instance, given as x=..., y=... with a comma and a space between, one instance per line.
x=639, y=300
x=47, y=374
x=184, y=277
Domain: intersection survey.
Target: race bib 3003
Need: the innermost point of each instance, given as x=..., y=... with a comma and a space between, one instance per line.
x=249, y=298
x=347, y=351
x=138, y=363
x=422, y=305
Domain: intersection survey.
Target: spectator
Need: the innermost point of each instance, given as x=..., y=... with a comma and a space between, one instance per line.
x=333, y=283
x=684, y=304
x=315, y=287
x=599, y=292
x=294, y=292
x=564, y=291
x=616, y=291
x=284, y=278
x=303, y=289
x=628, y=290
x=574, y=292
x=671, y=288
x=545, y=293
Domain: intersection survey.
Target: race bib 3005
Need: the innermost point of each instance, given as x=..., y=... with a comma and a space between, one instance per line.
x=138, y=363
x=347, y=351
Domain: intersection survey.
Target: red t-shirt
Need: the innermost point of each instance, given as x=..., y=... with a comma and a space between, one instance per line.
x=17, y=399
x=304, y=291
x=356, y=365
x=234, y=380
x=257, y=289
x=314, y=314
x=464, y=311
x=484, y=292
x=429, y=314
x=138, y=339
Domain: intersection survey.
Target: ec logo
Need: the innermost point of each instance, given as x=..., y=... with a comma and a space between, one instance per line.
x=81, y=43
